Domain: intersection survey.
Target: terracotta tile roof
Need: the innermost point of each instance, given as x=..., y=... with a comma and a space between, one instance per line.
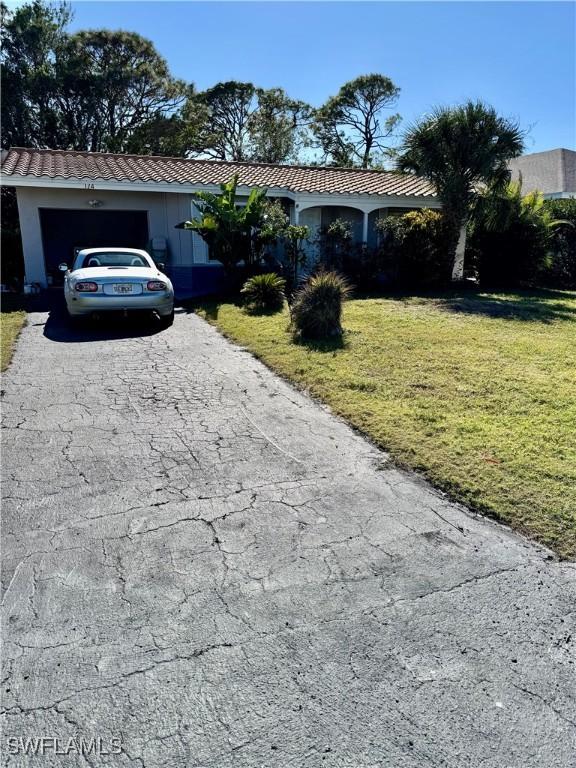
x=62, y=164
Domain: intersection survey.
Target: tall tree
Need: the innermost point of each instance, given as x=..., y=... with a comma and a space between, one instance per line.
x=223, y=112
x=460, y=150
x=161, y=135
x=277, y=127
x=32, y=37
x=95, y=90
x=111, y=84
x=241, y=122
x=351, y=128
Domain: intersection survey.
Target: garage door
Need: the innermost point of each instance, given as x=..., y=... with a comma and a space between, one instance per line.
x=65, y=230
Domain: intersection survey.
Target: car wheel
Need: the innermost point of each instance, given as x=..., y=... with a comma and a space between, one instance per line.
x=75, y=321
x=167, y=320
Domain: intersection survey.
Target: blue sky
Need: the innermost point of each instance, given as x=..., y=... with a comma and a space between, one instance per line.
x=518, y=56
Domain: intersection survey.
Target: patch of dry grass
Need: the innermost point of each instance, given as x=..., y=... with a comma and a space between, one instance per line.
x=12, y=318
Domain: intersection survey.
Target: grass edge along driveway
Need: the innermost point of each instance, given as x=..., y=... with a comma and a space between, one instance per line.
x=477, y=391
x=12, y=319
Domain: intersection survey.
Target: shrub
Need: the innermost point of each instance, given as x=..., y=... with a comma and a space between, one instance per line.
x=317, y=308
x=363, y=266
x=12, y=258
x=264, y=293
x=561, y=267
x=228, y=229
x=11, y=241
x=335, y=244
x=413, y=249
x=510, y=238
x=281, y=244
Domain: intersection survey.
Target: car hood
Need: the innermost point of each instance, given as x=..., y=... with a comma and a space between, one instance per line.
x=118, y=273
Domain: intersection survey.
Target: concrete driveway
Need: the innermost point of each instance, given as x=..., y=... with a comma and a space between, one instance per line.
x=203, y=567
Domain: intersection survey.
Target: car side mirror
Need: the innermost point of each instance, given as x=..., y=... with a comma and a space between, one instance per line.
x=161, y=265
x=63, y=267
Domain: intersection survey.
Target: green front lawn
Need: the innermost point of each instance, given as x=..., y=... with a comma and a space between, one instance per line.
x=12, y=317
x=477, y=391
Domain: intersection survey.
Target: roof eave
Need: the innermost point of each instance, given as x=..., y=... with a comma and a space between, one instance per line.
x=83, y=182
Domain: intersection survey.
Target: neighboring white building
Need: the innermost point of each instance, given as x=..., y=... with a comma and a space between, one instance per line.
x=553, y=173
x=69, y=200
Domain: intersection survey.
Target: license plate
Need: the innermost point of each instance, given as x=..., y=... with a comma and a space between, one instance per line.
x=122, y=288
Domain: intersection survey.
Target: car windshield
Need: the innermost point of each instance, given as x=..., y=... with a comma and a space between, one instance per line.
x=113, y=259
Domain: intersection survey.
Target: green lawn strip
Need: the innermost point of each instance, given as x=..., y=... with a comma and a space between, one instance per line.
x=12, y=318
x=477, y=392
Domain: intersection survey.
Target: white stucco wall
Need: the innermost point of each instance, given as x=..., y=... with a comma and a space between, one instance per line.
x=164, y=210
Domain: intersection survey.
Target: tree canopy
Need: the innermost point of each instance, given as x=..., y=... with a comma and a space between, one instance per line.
x=278, y=127
x=111, y=91
x=239, y=121
x=111, y=84
x=94, y=90
x=351, y=127
x=460, y=149
x=31, y=38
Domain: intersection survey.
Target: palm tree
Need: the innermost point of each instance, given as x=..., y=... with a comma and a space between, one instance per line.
x=460, y=150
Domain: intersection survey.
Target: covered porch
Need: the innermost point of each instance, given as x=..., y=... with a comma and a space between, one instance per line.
x=362, y=217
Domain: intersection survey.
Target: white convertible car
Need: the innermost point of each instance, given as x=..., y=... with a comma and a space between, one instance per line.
x=116, y=279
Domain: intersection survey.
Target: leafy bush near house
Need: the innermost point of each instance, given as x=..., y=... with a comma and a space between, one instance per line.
x=11, y=241
x=317, y=307
x=335, y=244
x=413, y=249
x=231, y=231
x=338, y=251
x=281, y=244
x=364, y=268
x=264, y=293
x=275, y=219
x=561, y=269
x=12, y=259
x=511, y=238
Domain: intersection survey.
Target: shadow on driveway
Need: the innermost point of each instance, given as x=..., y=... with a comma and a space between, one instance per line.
x=108, y=326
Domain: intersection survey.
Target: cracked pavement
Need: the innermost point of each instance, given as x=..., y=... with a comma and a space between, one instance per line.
x=203, y=562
